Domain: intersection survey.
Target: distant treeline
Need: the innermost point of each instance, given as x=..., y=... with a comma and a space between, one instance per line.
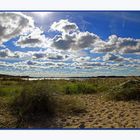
x=14, y=76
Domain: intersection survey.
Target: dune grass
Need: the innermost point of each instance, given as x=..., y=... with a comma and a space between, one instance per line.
x=42, y=99
x=129, y=90
x=79, y=88
x=29, y=99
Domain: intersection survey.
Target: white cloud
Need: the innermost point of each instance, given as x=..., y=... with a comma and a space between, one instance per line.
x=35, y=39
x=55, y=56
x=2, y=46
x=6, y=53
x=62, y=42
x=38, y=55
x=71, y=40
x=119, y=60
x=82, y=59
x=117, y=44
x=68, y=49
x=64, y=26
x=14, y=24
x=85, y=40
x=113, y=57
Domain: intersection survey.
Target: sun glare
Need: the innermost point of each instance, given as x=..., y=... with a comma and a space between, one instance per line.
x=42, y=14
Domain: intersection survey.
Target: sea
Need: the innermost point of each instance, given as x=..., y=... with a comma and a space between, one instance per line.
x=56, y=78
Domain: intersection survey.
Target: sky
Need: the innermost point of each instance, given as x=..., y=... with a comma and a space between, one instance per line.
x=65, y=44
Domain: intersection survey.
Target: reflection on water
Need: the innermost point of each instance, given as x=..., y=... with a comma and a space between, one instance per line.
x=55, y=78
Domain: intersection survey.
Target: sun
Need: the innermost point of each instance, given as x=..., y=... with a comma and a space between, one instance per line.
x=41, y=14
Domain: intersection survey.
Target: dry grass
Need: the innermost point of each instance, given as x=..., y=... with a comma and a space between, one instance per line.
x=70, y=104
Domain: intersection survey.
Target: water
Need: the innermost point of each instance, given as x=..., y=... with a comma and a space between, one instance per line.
x=55, y=78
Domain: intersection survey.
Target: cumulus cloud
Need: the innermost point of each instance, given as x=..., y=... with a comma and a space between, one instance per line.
x=117, y=44
x=55, y=56
x=67, y=49
x=38, y=55
x=120, y=60
x=2, y=46
x=89, y=65
x=35, y=39
x=64, y=26
x=31, y=62
x=71, y=37
x=6, y=53
x=85, y=40
x=14, y=24
x=43, y=55
x=82, y=59
x=49, y=55
x=112, y=57
x=62, y=42
x=38, y=64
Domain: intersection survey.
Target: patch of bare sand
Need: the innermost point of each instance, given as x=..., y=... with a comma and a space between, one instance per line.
x=7, y=120
x=99, y=114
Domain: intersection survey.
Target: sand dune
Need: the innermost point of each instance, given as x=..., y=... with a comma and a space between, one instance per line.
x=100, y=114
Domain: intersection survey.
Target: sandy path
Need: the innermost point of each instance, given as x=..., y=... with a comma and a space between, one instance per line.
x=103, y=114
x=99, y=114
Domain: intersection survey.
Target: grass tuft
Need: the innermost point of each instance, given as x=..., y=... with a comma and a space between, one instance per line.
x=129, y=90
x=80, y=88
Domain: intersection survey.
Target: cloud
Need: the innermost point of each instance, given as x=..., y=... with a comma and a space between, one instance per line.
x=62, y=42
x=38, y=55
x=119, y=60
x=35, y=39
x=88, y=65
x=38, y=64
x=117, y=44
x=31, y=62
x=55, y=56
x=2, y=46
x=6, y=53
x=70, y=49
x=82, y=59
x=71, y=38
x=85, y=40
x=64, y=26
x=49, y=55
x=112, y=57
x=14, y=24
x=41, y=55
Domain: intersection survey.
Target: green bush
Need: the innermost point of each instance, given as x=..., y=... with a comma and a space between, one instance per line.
x=129, y=90
x=9, y=91
x=40, y=99
x=78, y=88
x=34, y=100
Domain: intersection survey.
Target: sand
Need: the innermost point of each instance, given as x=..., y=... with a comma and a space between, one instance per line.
x=100, y=114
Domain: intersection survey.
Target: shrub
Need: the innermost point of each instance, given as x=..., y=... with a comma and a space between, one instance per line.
x=129, y=90
x=9, y=91
x=34, y=100
x=77, y=88
x=71, y=104
x=39, y=99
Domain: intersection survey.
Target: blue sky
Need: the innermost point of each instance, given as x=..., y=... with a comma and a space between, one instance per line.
x=70, y=43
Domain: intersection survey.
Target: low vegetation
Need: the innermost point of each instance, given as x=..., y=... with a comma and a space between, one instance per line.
x=41, y=99
x=29, y=99
x=80, y=88
x=129, y=90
